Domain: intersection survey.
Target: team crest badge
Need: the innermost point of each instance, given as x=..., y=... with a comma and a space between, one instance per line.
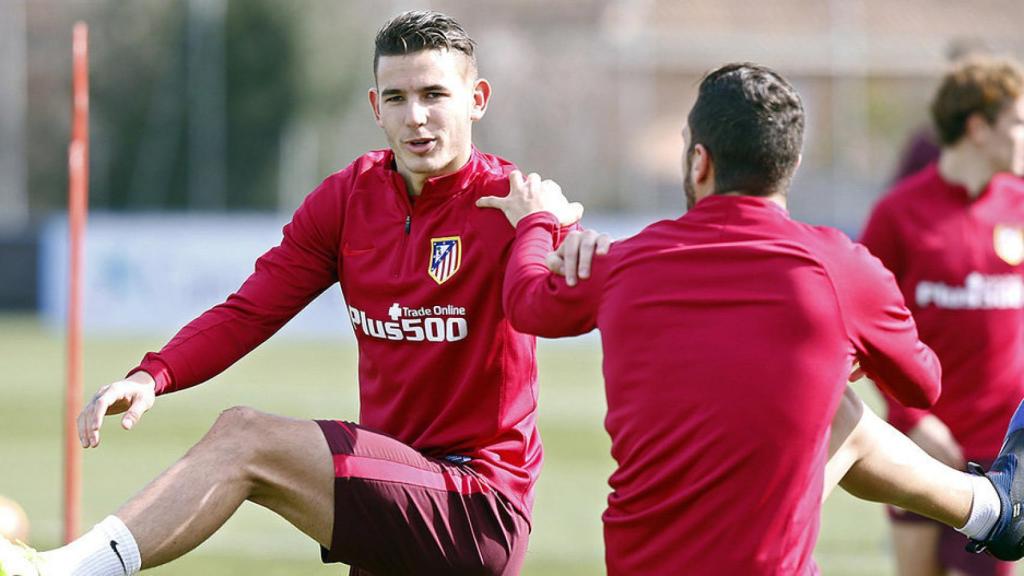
x=445, y=258
x=1009, y=244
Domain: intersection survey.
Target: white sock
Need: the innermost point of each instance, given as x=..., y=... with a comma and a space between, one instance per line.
x=985, y=509
x=109, y=549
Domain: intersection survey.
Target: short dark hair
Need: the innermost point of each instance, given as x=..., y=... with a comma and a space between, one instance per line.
x=983, y=85
x=751, y=121
x=417, y=30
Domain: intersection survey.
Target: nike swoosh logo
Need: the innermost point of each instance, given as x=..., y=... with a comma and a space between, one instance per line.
x=113, y=546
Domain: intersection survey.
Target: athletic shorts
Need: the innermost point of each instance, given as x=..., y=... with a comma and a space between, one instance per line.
x=397, y=511
x=951, y=545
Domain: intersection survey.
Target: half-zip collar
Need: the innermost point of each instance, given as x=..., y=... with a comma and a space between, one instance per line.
x=439, y=187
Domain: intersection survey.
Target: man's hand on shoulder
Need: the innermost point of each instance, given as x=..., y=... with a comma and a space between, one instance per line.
x=574, y=257
x=134, y=396
x=530, y=195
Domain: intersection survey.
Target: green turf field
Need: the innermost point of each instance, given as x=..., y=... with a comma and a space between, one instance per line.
x=292, y=378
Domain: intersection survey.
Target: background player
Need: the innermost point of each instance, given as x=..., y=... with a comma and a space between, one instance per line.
x=720, y=436
x=922, y=147
x=438, y=476
x=953, y=235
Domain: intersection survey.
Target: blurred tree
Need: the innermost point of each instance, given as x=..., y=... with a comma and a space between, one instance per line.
x=141, y=106
x=261, y=95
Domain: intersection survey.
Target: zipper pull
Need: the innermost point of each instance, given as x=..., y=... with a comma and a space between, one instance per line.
x=408, y=223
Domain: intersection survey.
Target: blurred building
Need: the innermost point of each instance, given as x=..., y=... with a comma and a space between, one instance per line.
x=213, y=105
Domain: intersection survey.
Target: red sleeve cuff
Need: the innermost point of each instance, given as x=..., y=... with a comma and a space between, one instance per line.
x=542, y=219
x=160, y=372
x=549, y=221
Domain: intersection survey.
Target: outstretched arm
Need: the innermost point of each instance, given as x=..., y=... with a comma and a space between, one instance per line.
x=285, y=280
x=873, y=461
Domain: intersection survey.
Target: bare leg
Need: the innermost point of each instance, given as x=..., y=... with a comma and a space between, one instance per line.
x=280, y=463
x=916, y=547
x=871, y=460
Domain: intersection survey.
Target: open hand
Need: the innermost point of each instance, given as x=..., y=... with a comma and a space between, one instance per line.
x=530, y=195
x=134, y=396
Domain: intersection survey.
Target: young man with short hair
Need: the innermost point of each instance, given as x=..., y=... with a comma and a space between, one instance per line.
x=438, y=476
x=953, y=235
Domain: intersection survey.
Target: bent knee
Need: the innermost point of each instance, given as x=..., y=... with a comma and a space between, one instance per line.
x=234, y=430
x=263, y=441
x=238, y=417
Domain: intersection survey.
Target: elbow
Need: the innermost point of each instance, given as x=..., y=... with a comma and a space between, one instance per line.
x=931, y=388
x=515, y=311
x=521, y=322
x=912, y=393
x=524, y=319
x=924, y=396
x=932, y=395
x=917, y=385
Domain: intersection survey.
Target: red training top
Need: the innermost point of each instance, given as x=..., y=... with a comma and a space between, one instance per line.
x=440, y=368
x=728, y=338
x=958, y=263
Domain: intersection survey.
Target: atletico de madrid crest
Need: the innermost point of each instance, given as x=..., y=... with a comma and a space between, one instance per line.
x=445, y=258
x=1009, y=244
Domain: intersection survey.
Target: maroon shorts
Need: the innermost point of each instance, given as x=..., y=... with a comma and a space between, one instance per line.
x=951, y=545
x=397, y=511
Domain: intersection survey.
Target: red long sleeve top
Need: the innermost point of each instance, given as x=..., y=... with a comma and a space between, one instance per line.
x=728, y=338
x=440, y=367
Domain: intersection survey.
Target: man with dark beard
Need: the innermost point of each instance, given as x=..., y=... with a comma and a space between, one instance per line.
x=728, y=338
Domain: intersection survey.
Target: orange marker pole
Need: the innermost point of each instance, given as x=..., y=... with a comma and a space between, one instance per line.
x=78, y=205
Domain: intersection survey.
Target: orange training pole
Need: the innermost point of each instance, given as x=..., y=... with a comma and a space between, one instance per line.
x=78, y=202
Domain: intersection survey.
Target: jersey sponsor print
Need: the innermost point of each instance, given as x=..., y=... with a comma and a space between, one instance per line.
x=445, y=323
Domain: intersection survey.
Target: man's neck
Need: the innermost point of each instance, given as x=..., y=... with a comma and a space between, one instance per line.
x=414, y=181
x=777, y=197
x=962, y=166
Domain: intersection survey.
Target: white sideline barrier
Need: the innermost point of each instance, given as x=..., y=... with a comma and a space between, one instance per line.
x=150, y=274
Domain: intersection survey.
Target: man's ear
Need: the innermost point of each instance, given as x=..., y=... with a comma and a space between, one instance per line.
x=701, y=167
x=976, y=128
x=481, y=96
x=374, y=97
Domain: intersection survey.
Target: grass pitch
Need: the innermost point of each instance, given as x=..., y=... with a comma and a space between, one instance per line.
x=294, y=378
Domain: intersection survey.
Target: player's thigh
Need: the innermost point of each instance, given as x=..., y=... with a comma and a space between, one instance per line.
x=290, y=468
x=398, y=511
x=916, y=547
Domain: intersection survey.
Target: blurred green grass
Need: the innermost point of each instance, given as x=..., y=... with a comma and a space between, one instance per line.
x=317, y=379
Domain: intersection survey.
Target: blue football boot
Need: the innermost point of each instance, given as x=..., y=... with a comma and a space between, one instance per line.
x=1006, y=540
